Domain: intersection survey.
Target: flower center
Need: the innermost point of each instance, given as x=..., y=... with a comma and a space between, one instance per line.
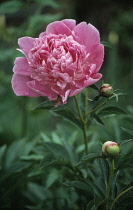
x=57, y=59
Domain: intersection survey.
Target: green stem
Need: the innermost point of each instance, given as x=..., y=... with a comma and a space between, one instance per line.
x=110, y=180
x=84, y=123
x=86, y=103
x=85, y=120
x=85, y=139
x=78, y=108
x=111, y=208
x=93, y=110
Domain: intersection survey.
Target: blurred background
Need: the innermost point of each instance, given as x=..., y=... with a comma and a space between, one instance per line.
x=19, y=125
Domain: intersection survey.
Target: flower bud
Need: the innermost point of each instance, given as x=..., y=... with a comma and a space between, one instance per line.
x=106, y=90
x=110, y=149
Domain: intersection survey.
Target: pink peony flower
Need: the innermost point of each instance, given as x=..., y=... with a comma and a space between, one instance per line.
x=60, y=63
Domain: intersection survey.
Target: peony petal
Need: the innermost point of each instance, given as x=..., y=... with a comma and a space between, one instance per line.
x=21, y=66
x=70, y=23
x=87, y=34
x=57, y=28
x=42, y=34
x=64, y=98
x=62, y=93
x=19, y=85
x=75, y=91
x=99, y=56
x=42, y=90
x=91, y=81
x=26, y=44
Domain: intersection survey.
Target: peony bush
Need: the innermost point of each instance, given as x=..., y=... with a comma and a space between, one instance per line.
x=64, y=60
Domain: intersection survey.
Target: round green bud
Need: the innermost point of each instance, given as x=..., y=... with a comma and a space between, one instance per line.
x=106, y=90
x=110, y=149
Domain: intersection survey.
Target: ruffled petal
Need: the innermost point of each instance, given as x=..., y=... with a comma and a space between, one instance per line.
x=19, y=85
x=21, y=66
x=26, y=44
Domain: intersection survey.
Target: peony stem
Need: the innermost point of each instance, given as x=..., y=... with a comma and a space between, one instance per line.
x=110, y=179
x=78, y=109
x=85, y=138
x=93, y=110
x=85, y=120
x=84, y=123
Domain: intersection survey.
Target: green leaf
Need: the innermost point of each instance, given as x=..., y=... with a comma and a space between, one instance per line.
x=17, y=167
x=10, y=6
x=51, y=3
x=90, y=157
x=14, y=151
x=125, y=142
x=96, y=118
x=94, y=87
x=97, y=98
x=104, y=169
x=106, y=44
x=53, y=176
x=101, y=204
x=125, y=165
x=68, y=115
x=2, y=152
x=47, y=160
x=57, y=150
x=79, y=185
x=37, y=192
x=44, y=105
x=111, y=110
x=91, y=205
x=128, y=131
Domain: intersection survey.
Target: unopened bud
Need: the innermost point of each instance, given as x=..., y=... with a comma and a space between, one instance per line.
x=106, y=90
x=110, y=149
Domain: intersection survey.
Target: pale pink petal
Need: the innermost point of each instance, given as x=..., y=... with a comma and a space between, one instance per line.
x=21, y=66
x=75, y=91
x=62, y=93
x=64, y=97
x=87, y=34
x=42, y=90
x=19, y=85
x=93, y=80
x=57, y=28
x=99, y=56
x=70, y=23
x=26, y=44
x=42, y=34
